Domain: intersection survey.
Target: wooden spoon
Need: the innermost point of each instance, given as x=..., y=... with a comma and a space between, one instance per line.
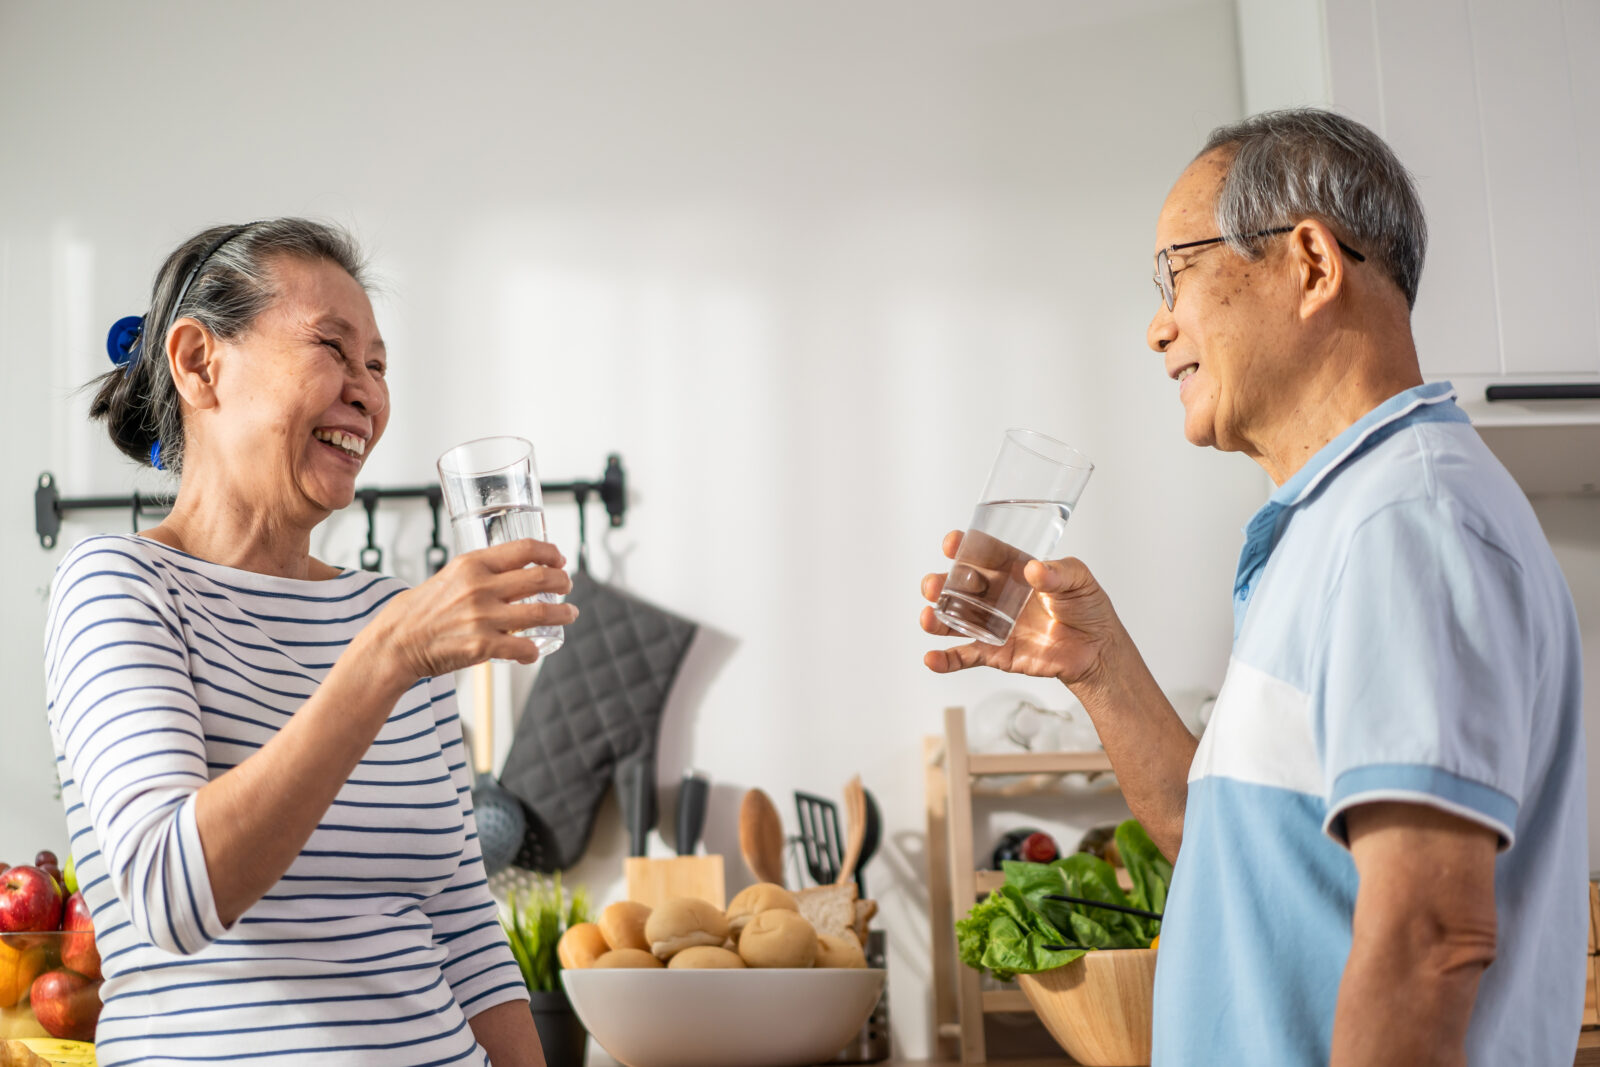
x=855, y=816
x=761, y=837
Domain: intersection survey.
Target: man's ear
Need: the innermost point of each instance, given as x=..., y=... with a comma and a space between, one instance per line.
x=192, y=357
x=1317, y=265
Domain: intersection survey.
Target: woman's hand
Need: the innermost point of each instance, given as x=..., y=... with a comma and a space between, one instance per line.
x=1066, y=630
x=471, y=611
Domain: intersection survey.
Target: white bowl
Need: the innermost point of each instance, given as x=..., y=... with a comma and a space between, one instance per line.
x=716, y=1018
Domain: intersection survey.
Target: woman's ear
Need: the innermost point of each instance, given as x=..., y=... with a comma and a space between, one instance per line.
x=191, y=354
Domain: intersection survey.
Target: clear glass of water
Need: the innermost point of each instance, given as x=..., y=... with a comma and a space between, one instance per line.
x=491, y=490
x=1033, y=487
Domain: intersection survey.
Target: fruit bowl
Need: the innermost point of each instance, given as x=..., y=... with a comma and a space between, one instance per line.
x=41, y=995
x=1098, y=1007
x=723, y=1018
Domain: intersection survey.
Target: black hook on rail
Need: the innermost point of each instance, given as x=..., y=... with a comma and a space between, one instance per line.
x=49, y=507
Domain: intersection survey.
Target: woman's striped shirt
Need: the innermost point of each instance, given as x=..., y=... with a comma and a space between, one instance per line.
x=381, y=940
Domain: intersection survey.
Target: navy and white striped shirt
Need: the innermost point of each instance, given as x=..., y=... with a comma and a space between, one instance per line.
x=163, y=672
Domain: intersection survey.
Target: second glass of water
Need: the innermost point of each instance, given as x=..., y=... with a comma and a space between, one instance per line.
x=1033, y=487
x=491, y=490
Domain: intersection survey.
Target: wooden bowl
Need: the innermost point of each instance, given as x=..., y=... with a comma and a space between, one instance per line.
x=1098, y=1006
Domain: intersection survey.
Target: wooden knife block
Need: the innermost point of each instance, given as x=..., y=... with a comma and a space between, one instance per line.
x=653, y=882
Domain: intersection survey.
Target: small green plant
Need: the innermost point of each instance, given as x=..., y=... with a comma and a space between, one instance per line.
x=538, y=918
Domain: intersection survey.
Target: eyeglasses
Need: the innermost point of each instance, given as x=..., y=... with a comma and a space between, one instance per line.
x=1164, y=273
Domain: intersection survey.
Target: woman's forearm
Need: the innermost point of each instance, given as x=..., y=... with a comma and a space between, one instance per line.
x=507, y=1034
x=254, y=819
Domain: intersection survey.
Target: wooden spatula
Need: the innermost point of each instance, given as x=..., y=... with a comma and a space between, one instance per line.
x=761, y=837
x=855, y=823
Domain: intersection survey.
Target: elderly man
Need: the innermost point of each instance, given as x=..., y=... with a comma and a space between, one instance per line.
x=1380, y=841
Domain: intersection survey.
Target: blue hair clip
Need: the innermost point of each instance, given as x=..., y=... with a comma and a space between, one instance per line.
x=122, y=343
x=155, y=456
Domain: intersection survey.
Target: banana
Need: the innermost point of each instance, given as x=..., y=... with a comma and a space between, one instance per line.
x=62, y=1053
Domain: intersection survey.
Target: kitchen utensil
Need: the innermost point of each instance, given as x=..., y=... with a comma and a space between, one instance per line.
x=594, y=711
x=723, y=1018
x=855, y=820
x=819, y=836
x=761, y=837
x=1156, y=915
x=499, y=815
x=1098, y=1007
x=1032, y=490
x=869, y=842
x=636, y=790
x=692, y=795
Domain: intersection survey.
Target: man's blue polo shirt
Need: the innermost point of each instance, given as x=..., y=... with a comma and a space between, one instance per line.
x=1401, y=632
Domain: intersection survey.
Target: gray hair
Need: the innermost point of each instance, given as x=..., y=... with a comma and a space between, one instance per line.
x=1309, y=163
x=140, y=404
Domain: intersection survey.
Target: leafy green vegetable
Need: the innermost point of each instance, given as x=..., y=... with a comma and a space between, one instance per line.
x=1150, y=870
x=1007, y=933
x=1005, y=936
x=534, y=927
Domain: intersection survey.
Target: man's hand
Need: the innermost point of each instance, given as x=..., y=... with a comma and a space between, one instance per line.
x=1065, y=630
x=1069, y=631
x=1424, y=932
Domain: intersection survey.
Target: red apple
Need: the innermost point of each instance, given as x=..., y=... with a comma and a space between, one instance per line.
x=1039, y=848
x=29, y=900
x=46, y=859
x=67, y=1004
x=78, y=949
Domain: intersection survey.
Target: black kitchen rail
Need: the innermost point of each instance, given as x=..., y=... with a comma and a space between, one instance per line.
x=49, y=506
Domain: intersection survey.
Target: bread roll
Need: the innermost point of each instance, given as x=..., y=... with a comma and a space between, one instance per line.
x=703, y=957
x=581, y=945
x=622, y=924
x=778, y=938
x=750, y=902
x=839, y=952
x=685, y=923
x=626, y=958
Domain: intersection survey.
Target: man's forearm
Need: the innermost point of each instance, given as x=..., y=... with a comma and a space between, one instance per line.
x=1149, y=747
x=1407, y=996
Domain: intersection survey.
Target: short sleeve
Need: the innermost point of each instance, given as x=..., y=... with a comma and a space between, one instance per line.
x=1425, y=690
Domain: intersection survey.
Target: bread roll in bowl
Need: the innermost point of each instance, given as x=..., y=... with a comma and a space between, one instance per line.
x=778, y=938
x=622, y=924
x=752, y=901
x=580, y=946
x=685, y=922
x=838, y=952
x=705, y=957
x=626, y=958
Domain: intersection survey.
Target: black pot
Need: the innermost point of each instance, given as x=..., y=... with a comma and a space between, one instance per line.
x=561, y=1035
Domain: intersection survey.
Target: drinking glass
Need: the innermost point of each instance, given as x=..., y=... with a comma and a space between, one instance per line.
x=491, y=490
x=1033, y=487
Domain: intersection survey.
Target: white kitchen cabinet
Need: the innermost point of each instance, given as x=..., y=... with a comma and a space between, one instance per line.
x=1495, y=107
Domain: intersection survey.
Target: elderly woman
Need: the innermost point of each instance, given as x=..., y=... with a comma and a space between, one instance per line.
x=260, y=753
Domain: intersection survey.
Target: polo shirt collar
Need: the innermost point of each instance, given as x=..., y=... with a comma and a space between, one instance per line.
x=1396, y=411
x=1430, y=402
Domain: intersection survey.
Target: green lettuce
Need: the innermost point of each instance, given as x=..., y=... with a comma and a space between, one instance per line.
x=1007, y=933
x=1006, y=937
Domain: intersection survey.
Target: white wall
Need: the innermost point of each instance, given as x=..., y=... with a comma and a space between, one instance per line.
x=799, y=263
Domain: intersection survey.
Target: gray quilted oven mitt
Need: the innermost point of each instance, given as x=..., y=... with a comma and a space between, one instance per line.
x=595, y=710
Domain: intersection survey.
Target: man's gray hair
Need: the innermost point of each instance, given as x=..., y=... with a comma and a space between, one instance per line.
x=1309, y=163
